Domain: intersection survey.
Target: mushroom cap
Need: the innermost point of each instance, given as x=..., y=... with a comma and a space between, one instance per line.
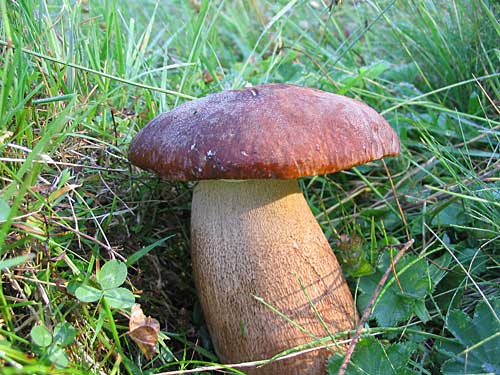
x=270, y=131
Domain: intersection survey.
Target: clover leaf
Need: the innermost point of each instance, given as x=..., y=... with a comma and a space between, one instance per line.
x=119, y=297
x=109, y=277
x=64, y=334
x=51, y=346
x=87, y=293
x=41, y=336
x=112, y=274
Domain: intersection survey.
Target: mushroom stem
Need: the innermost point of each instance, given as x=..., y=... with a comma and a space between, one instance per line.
x=258, y=238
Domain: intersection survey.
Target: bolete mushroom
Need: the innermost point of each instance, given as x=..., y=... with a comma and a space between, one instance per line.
x=253, y=234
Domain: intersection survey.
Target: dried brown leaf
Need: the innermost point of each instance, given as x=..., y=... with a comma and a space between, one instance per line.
x=143, y=330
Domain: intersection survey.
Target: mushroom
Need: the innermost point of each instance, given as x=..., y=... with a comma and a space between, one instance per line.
x=266, y=276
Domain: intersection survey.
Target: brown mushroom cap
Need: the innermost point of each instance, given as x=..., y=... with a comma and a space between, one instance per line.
x=270, y=131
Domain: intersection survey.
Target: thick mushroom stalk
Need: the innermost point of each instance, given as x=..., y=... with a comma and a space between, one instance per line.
x=258, y=238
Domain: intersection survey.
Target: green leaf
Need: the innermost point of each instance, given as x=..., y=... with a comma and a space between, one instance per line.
x=4, y=209
x=374, y=70
x=353, y=253
x=15, y=261
x=479, y=340
x=112, y=274
x=473, y=260
x=72, y=286
x=290, y=71
x=146, y=249
x=64, y=334
x=86, y=293
x=373, y=358
x=438, y=268
x=363, y=268
x=395, y=305
x=119, y=298
x=452, y=214
x=58, y=357
x=421, y=311
x=41, y=336
x=402, y=73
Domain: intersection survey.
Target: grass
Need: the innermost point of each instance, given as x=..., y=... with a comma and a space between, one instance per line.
x=79, y=79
